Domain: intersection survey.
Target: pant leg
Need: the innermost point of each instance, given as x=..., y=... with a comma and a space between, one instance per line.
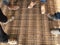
x=3, y=18
x=43, y=1
x=6, y=2
x=3, y=36
x=57, y=15
x=33, y=0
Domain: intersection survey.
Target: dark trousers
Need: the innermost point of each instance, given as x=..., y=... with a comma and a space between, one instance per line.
x=6, y=2
x=43, y=1
x=3, y=36
x=3, y=18
x=57, y=15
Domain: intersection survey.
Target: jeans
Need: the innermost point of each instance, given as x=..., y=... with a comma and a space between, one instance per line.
x=6, y=2
x=57, y=15
x=43, y=1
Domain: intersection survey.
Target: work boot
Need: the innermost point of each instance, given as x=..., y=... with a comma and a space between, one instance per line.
x=12, y=39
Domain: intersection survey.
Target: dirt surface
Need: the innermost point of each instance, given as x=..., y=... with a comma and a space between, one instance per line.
x=30, y=26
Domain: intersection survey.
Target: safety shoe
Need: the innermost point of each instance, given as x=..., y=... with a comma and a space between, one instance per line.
x=12, y=39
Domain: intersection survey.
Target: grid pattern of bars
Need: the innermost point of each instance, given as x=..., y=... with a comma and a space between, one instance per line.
x=29, y=25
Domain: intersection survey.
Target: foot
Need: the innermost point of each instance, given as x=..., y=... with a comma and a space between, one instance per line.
x=32, y=4
x=55, y=31
x=12, y=41
x=13, y=7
